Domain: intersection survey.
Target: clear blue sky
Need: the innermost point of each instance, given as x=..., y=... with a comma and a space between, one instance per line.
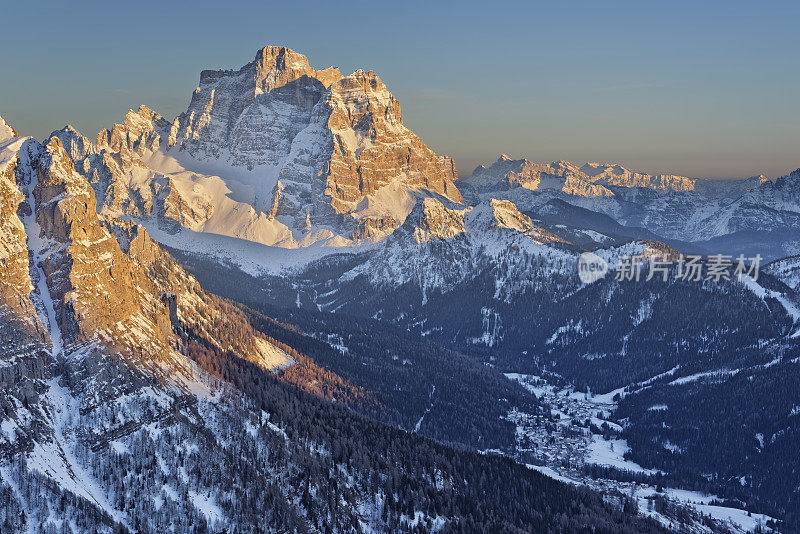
x=708, y=89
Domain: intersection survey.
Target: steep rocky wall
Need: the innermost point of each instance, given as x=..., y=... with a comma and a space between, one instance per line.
x=20, y=328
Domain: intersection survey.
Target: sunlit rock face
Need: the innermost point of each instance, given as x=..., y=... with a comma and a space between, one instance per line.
x=20, y=327
x=98, y=293
x=251, y=116
x=276, y=152
x=72, y=278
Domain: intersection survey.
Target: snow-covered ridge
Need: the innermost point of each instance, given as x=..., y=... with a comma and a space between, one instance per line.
x=595, y=179
x=442, y=245
x=23, y=321
x=6, y=131
x=787, y=270
x=282, y=154
x=97, y=279
x=755, y=215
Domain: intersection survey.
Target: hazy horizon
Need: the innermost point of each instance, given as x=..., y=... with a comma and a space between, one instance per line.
x=703, y=91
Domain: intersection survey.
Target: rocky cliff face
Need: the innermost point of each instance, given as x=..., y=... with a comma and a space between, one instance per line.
x=250, y=116
x=98, y=293
x=276, y=152
x=21, y=329
x=97, y=280
x=7, y=133
x=372, y=147
x=441, y=245
x=97, y=329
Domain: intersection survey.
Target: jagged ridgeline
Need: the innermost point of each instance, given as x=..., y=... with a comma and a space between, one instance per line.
x=133, y=400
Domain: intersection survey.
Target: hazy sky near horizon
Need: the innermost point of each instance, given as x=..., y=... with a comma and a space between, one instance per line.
x=704, y=89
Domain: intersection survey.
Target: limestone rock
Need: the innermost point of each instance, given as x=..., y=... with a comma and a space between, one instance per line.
x=276, y=152
x=21, y=330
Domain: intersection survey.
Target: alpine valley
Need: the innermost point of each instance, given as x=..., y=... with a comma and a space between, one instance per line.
x=281, y=311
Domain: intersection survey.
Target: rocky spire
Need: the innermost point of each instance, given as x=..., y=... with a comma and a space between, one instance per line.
x=275, y=66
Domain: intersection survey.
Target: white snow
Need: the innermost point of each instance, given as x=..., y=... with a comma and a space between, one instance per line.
x=395, y=199
x=8, y=427
x=596, y=236
x=427, y=411
x=56, y=458
x=6, y=133
x=610, y=453
x=119, y=447
x=791, y=308
x=207, y=506
x=547, y=471
x=38, y=246
x=253, y=258
x=577, y=328
x=170, y=492
x=719, y=373
x=700, y=501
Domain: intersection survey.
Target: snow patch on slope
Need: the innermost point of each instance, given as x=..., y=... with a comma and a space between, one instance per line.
x=56, y=458
x=38, y=248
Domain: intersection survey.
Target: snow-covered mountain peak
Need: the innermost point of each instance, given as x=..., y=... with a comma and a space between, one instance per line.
x=594, y=168
x=793, y=177
x=496, y=214
x=589, y=180
x=75, y=143
x=6, y=131
x=57, y=175
x=432, y=219
x=503, y=216
x=363, y=95
x=505, y=174
x=272, y=67
x=498, y=222
x=275, y=152
x=365, y=89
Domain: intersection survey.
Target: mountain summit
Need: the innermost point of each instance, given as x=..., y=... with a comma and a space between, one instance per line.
x=275, y=152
